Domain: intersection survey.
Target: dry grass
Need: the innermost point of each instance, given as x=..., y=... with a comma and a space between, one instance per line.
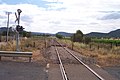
x=34, y=45
x=30, y=44
x=109, y=60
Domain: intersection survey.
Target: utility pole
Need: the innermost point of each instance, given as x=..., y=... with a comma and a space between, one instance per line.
x=8, y=13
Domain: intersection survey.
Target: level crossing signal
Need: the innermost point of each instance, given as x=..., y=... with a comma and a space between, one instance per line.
x=19, y=28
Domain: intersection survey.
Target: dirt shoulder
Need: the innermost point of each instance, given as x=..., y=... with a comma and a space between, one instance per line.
x=21, y=69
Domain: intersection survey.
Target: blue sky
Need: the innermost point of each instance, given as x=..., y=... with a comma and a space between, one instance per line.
x=39, y=3
x=52, y=16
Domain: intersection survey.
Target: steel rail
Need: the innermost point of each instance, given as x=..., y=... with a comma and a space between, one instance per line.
x=62, y=69
x=97, y=75
x=91, y=70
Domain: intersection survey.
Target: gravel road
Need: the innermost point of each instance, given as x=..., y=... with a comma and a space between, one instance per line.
x=115, y=71
x=21, y=71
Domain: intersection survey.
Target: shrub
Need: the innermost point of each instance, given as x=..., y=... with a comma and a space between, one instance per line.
x=59, y=36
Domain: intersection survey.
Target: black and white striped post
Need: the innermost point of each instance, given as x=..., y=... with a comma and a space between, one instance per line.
x=17, y=35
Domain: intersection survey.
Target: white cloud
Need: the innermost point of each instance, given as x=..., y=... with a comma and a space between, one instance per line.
x=65, y=15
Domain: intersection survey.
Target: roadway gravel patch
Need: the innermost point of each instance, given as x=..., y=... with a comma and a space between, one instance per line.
x=21, y=71
x=115, y=71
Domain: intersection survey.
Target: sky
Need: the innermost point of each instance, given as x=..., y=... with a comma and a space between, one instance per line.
x=52, y=16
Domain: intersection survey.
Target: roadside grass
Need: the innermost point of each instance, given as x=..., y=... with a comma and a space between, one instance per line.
x=105, y=55
x=30, y=44
x=35, y=45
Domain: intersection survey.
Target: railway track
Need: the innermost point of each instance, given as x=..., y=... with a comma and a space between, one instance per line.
x=73, y=68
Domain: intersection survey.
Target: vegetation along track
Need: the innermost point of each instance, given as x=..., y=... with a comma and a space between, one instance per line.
x=77, y=71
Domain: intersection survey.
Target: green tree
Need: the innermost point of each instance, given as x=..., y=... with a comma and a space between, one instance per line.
x=59, y=36
x=25, y=34
x=73, y=38
x=0, y=37
x=87, y=40
x=28, y=34
x=78, y=36
x=4, y=33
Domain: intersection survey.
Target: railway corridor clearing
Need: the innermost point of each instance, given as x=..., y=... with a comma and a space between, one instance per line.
x=74, y=70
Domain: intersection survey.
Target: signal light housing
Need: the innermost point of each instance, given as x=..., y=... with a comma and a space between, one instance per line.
x=19, y=28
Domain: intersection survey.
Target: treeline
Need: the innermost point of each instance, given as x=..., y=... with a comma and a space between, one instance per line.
x=107, y=41
x=76, y=37
x=91, y=41
x=23, y=33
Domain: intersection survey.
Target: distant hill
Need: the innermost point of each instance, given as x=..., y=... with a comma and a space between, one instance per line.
x=112, y=34
x=115, y=33
x=40, y=33
x=96, y=34
x=65, y=34
x=3, y=29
